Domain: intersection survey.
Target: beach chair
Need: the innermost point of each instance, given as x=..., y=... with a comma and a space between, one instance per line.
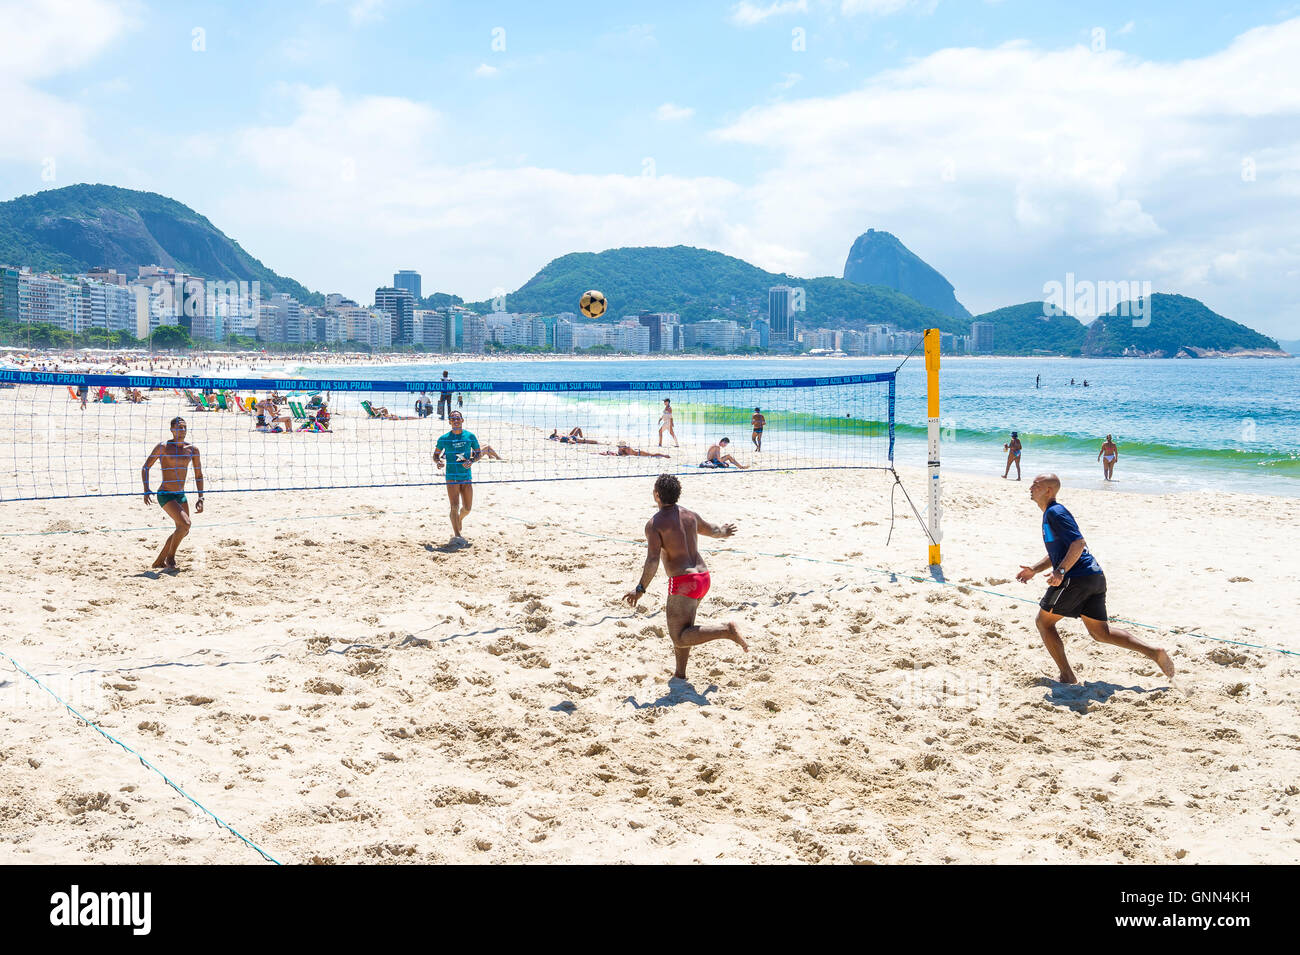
x=196, y=400
x=72, y=393
x=298, y=413
x=221, y=401
x=369, y=410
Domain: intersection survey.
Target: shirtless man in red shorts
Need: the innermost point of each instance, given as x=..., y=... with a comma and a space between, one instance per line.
x=671, y=535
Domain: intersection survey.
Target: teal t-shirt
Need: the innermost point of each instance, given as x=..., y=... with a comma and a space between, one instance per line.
x=458, y=449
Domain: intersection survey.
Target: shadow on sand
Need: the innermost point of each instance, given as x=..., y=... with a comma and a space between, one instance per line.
x=1077, y=696
x=679, y=691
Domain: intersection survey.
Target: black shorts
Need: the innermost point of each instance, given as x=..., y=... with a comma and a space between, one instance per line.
x=1083, y=596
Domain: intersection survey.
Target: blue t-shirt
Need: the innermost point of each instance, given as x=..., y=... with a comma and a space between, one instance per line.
x=1059, y=532
x=458, y=449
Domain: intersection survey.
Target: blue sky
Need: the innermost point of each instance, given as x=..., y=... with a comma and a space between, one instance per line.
x=1007, y=143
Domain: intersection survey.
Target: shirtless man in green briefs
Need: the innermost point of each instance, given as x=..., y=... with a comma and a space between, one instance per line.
x=174, y=459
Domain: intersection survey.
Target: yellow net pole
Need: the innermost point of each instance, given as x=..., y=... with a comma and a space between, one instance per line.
x=932, y=429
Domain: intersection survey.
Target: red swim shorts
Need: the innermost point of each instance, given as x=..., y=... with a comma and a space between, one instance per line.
x=694, y=586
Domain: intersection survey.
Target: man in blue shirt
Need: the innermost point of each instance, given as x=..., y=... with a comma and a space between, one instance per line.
x=1076, y=586
x=457, y=450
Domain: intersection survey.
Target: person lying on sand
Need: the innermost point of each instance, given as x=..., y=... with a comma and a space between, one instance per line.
x=625, y=451
x=174, y=458
x=1076, y=586
x=573, y=437
x=671, y=537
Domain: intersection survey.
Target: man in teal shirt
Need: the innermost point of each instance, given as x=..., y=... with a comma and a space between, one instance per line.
x=457, y=450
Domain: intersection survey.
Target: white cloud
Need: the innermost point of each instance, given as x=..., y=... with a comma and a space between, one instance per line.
x=1008, y=167
x=670, y=112
x=748, y=14
x=363, y=171
x=43, y=38
x=365, y=11
x=788, y=80
x=1127, y=28
x=485, y=70
x=39, y=40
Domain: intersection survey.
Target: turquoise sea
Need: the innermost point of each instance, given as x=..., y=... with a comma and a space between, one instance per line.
x=1231, y=424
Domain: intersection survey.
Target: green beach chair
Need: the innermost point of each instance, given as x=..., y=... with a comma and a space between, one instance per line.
x=298, y=413
x=369, y=410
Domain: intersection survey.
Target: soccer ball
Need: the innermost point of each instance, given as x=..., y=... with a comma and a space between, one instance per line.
x=593, y=304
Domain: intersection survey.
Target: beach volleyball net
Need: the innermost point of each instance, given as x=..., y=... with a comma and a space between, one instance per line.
x=88, y=435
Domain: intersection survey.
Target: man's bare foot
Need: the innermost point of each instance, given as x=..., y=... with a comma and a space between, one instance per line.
x=679, y=676
x=735, y=635
x=1166, y=665
x=171, y=563
x=158, y=563
x=1069, y=677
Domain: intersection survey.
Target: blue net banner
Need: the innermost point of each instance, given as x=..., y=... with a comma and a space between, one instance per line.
x=434, y=385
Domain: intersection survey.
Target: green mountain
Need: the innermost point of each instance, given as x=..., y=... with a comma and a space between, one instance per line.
x=1169, y=326
x=878, y=258
x=84, y=226
x=440, y=300
x=699, y=284
x=1034, y=328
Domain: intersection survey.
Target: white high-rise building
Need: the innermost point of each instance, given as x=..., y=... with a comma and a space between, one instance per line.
x=981, y=335
x=430, y=329
x=717, y=333
x=111, y=306
x=48, y=299
x=631, y=336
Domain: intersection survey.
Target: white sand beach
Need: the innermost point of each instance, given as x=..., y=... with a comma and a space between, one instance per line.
x=333, y=681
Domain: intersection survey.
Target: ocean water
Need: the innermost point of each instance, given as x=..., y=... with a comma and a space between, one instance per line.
x=1181, y=425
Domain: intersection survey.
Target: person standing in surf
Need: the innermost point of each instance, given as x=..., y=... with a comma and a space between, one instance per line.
x=1108, y=455
x=1013, y=448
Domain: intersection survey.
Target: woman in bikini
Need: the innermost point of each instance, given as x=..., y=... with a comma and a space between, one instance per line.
x=666, y=424
x=1108, y=455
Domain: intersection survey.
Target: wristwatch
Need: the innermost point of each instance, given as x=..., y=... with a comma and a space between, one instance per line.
x=640, y=589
